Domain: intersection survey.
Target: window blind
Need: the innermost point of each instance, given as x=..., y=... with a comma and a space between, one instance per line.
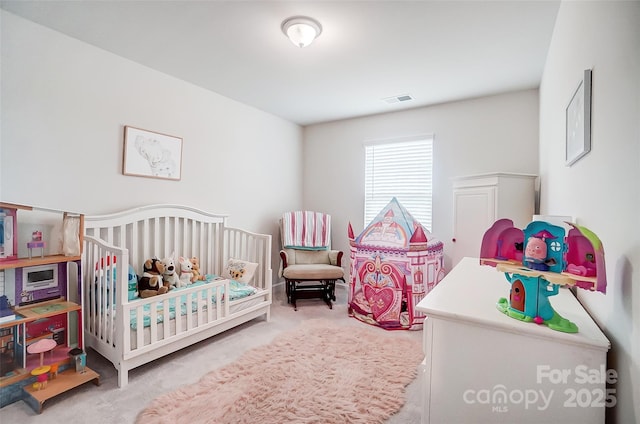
x=400, y=168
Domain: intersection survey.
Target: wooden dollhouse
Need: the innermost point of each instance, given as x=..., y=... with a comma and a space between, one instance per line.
x=45, y=323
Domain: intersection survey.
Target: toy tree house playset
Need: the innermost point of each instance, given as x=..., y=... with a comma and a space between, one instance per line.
x=393, y=266
x=41, y=314
x=537, y=261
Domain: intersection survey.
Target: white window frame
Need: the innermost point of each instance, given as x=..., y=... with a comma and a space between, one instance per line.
x=401, y=168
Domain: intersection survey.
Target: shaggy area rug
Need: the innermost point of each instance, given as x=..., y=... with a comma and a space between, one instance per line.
x=319, y=372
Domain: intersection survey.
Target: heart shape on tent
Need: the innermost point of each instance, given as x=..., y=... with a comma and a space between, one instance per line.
x=382, y=301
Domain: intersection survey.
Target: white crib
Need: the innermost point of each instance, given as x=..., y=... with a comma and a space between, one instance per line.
x=130, y=333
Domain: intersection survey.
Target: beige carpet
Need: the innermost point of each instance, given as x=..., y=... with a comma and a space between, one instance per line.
x=319, y=372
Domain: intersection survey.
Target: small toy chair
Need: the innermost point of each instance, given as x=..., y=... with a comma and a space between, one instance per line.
x=307, y=257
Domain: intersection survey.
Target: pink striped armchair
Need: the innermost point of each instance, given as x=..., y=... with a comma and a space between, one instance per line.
x=309, y=266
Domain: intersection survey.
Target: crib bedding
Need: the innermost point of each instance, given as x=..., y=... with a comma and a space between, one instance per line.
x=237, y=291
x=234, y=308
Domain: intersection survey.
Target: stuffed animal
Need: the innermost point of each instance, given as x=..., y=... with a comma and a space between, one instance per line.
x=195, y=265
x=151, y=283
x=170, y=275
x=186, y=271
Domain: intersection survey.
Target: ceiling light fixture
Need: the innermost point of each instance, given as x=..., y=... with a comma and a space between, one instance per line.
x=301, y=30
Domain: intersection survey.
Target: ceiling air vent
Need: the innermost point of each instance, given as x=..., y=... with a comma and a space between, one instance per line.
x=398, y=99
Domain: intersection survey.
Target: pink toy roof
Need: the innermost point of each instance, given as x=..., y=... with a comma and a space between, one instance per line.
x=393, y=227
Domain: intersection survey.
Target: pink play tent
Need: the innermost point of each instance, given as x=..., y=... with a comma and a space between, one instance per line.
x=394, y=263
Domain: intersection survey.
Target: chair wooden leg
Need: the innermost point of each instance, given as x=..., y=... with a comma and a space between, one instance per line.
x=332, y=290
x=327, y=292
x=287, y=284
x=293, y=295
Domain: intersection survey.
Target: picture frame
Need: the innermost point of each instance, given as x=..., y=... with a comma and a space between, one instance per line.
x=151, y=154
x=578, y=121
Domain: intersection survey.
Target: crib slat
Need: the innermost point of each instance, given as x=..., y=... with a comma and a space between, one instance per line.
x=153, y=322
x=219, y=310
x=155, y=229
x=133, y=249
x=110, y=234
x=199, y=302
x=210, y=292
x=145, y=236
x=178, y=326
x=166, y=320
x=189, y=311
x=125, y=320
x=168, y=238
x=139, y=327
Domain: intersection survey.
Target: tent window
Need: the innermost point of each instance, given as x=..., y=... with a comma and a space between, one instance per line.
x=401, y=168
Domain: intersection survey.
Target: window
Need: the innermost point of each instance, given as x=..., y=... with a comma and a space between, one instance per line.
x=403, y=169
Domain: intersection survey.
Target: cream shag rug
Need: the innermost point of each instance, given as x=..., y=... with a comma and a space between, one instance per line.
x=320, y=372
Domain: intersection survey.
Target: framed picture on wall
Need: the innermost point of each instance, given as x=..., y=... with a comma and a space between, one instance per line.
x=578, y=115
x=151, y=154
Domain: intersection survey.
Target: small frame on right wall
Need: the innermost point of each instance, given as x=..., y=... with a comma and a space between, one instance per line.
x=578, y=114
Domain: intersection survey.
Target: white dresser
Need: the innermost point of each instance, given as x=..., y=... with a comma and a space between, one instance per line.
x=482, y=366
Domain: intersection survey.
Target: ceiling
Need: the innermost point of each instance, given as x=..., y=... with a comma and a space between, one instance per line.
x=369, y=51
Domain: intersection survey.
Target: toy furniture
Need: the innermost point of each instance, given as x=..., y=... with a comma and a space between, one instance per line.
x=129, y=331
x=482, y=366
x=395, y=262
x=41, y=373
x=36, y=245
x=308, y=264
x=40, y=347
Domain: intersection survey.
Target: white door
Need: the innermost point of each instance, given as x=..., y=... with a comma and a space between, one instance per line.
x=474, y=211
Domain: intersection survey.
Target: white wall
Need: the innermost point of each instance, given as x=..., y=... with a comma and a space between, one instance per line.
x=602, y=190
x=490, y=134
x=64, y=106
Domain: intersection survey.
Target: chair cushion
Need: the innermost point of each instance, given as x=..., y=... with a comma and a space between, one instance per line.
x=297, y=257
x=313, y=272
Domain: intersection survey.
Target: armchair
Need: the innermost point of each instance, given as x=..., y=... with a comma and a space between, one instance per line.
x=309, y=266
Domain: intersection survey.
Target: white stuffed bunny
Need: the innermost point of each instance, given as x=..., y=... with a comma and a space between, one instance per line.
x=186, y=271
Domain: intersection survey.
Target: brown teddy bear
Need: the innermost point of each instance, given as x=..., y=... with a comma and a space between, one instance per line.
x=195, y=268
x=151, y=283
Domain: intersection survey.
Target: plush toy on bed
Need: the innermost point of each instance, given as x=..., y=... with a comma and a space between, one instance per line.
x=195, y=265
x=170, y=275
x=151, y=283
x=186, y=271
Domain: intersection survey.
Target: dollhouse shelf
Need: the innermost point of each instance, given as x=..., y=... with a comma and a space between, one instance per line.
x=562, y=278
x=46, y=309
x=64, y=382
x=45, y=260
